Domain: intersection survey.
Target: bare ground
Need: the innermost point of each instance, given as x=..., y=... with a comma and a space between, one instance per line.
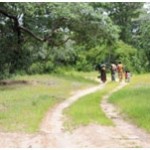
x=52, y=134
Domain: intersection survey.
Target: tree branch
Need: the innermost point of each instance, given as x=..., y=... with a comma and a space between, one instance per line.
x=8, y=15
x=62, y=42
x=18, y=29
x=31, y=33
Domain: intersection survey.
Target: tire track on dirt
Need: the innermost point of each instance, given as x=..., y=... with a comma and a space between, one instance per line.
x=123, y=134
x=52, y=134
x=54, y=123
x=51, y=130
x=126, y=134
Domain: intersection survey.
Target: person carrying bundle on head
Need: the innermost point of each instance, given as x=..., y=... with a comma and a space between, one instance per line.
x=120, y=70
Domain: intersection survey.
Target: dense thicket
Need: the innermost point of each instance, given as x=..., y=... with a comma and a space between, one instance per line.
x=40, y=37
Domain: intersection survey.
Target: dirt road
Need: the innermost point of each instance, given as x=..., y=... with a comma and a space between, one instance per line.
x=52, y=135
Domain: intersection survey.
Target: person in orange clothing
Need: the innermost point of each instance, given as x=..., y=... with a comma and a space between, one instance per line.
x=120, y=70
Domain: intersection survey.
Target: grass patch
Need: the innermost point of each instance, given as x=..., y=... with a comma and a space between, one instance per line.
x=134, y=100
x=22, y=107
x=87, y=110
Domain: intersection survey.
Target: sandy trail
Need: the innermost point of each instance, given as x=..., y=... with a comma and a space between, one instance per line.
x=123, y=134
x=126, y=134
x=55, y=121
x=52, y=134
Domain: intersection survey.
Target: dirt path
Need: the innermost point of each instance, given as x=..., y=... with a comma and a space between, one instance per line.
x=54, y=121
x=124, y=133
x=52, y=134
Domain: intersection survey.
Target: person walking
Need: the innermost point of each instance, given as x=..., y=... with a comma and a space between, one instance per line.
x=127, y=76
x=113, y=69
x=102, y=70
x=120, y=70
x=103, y=73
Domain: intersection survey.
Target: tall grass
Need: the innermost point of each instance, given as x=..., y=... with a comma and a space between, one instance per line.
x=23, y=106
x=134, y=101
x=87, y=109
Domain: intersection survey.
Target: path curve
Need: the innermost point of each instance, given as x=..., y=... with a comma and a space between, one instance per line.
x=54, y=122
x=52, y=135
x=125, y=133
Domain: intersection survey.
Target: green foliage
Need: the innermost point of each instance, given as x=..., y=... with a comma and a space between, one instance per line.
x=125, y=53
x=49, y=67
x=82, y=64
x=36, y=68
x=55, y=24
x=63, y=56
x=98, y=54
x=14, y=57
x=41, y=67
x=123, y=14
x=120, y=51
x=141, y=40
x=51, y=34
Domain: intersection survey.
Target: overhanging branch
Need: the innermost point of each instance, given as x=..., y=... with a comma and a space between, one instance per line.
x=62, y=42
x=8, y=15
x=31, y=33
x=18, y=29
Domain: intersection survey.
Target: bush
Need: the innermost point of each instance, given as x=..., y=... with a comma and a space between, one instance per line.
x=125, y=53
x=36, y=68
x=49, y=67
x=82, y=64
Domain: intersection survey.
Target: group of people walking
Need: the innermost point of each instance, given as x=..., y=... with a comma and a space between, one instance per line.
x=114, y=70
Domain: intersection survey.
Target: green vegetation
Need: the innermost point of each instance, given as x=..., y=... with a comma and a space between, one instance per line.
x=37, y=40
x=133, y=100
x=87, y=110
x=23, y=106
x=62, y=38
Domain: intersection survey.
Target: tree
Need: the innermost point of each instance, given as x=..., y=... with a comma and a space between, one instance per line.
x=52, y=20
x=123, y=14
x=25, y=27
x=141, y=38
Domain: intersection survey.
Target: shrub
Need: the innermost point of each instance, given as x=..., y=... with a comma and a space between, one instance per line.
x=36, y=68
x=49, y=67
